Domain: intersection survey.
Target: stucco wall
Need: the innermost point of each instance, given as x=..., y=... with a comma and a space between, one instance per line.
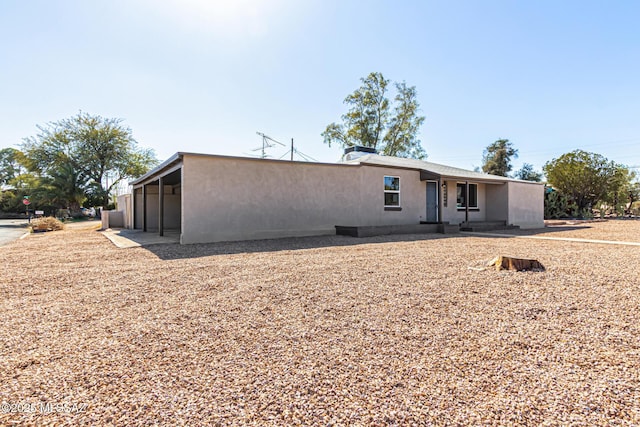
x=138, y=208
x=172, y=202
x=454, y=215
x=526, y=204
x=172, y=208
x=497, y=202
x=239, y=199
x=124, y=206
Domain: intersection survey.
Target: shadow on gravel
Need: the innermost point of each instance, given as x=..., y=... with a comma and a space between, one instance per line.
x=536, y=231
x=173, y=251
x=177, y=251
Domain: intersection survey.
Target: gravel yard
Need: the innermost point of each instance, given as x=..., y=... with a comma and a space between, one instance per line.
x=623, y=230
x=391, y=330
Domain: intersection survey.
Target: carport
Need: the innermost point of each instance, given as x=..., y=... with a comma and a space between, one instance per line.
x=157, y=198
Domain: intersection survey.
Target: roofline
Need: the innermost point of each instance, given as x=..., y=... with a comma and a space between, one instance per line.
x=260, y=159
x=488, y=179
x=164, y=165
x=178, y=157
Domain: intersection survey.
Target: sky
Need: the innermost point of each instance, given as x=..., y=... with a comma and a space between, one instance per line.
x=206, y=76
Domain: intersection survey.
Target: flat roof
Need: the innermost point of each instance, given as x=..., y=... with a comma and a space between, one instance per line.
x=433, y=169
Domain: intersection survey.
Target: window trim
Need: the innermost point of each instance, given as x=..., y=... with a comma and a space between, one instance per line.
x=392, y=207
x=464, y=207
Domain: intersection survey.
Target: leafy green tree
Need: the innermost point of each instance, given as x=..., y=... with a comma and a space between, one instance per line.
x=64, y=188
x=634, y=196
x=92, y=147
x=24, y=184
x=10, y=166
x=370, y=122
x=621, y=189
x=584, y=177
x=526, y=173
x=496, y=158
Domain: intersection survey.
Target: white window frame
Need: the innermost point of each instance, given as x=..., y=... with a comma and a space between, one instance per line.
x=392, y=191
x=466, y=201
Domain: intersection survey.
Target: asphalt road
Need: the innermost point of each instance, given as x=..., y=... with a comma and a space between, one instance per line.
x=11, y=229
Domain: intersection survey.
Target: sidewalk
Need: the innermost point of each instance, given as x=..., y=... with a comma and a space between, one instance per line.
x=125, y=238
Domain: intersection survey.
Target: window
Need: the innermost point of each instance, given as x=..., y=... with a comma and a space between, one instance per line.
x=391, y=191
x=473, y=196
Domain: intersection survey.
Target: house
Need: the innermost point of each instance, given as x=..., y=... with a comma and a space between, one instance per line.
x=211, y=198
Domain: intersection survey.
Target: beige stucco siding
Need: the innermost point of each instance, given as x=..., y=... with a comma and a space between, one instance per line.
x=497, y=202
x=138, y=208
x=413, y=197
x=526, y=204
x=239, y=199
x=172, y=203
x=453, y=215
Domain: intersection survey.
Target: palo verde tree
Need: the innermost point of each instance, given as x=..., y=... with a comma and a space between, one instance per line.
x=496, y=158
x=584, y=177
x=372, y=121
x=92, y=151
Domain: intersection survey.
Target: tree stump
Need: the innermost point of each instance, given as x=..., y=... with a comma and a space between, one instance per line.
x=515, y=264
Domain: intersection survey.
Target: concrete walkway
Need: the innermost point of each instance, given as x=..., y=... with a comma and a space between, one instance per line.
x=562, y=239
x=124, y=238
x=12, y=229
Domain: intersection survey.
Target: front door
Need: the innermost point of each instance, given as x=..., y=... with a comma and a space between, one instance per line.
x=432, y=201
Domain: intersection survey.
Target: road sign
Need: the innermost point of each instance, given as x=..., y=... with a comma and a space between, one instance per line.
x=26, y=201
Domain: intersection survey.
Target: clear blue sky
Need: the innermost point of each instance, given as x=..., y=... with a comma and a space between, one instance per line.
x=204, y=76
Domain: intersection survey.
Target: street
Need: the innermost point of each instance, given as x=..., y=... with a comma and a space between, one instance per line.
x=11, y=229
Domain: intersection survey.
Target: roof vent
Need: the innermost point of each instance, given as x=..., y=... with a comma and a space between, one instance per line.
x=357, y=151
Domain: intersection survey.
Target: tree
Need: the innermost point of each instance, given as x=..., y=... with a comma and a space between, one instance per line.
x=584, y=177
x=24, y=184
x=526, y=173
x=496, y=158
x=621, y=189
x=64, y=188
x=370, y=122
x=91, y=150
x=9, y=165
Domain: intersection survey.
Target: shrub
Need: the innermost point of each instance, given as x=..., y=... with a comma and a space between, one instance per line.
x=556, y=205
x=48, y=223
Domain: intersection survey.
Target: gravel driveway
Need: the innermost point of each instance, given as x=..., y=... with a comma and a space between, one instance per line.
x=392, y=330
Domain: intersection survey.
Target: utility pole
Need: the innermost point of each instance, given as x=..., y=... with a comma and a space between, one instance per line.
x=292, y=149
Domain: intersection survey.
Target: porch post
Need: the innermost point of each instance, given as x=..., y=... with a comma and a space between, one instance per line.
x=466, y=202
x=161, y=206
x=144, y=207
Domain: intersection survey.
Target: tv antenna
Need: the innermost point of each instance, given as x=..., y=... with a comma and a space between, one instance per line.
x=300, y=154
x=267, y=142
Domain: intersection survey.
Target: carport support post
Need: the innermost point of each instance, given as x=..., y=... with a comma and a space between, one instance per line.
x=144, y=207
x=161, y=206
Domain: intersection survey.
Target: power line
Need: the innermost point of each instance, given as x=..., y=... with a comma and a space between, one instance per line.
x=266, y=143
